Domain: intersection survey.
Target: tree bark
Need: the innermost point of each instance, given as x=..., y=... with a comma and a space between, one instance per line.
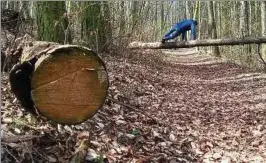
x=195, y=43
x=105, y=28
x=24, y=8
x=244, y=27
x=155, y=27
x=162, y=18
x=187, y=16
x=50, y=20
x=122, y=19
x=196, y=11
x=200, y=20
x=187, y=10
x=65, y=83
x=95, y=21
x=263, y=28
x=212, y=28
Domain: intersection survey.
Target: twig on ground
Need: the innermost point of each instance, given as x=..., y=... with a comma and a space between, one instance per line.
x=14, y=139
x=6, y=150
x=40, y=154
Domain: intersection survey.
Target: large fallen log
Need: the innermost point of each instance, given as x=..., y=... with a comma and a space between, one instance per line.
x=196, y=43
x=65, y=83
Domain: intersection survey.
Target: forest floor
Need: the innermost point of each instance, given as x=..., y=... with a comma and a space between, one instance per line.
x=163, y=106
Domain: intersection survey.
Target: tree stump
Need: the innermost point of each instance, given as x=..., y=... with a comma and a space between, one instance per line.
x=68, y=83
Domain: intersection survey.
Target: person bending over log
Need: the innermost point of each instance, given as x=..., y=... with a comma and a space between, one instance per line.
x=181, y=28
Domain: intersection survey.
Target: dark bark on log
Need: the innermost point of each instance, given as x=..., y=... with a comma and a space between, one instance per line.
x=21, y=73
x=20, y=82
x=195, y=43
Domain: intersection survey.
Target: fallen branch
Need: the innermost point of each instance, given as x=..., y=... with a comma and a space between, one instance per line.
x=18, y=138
x=260, y=56
x=195, y=43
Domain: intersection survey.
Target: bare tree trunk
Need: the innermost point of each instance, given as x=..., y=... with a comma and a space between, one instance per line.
x=219, y=19
x=16, y=5
x=250, y=17
x=196, y=8
x=212, y=28
x=187, y=10
x=263, y=27
x=162, y=18
x=24, y=8
x=122, y=18
x=244, y=27
x=31, y=6
x=257, y=13
x=156, y=21
x=199, y=21
x=187, y=16
x=243, y=19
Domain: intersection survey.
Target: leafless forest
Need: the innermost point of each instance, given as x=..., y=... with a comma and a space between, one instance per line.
x=200, y=104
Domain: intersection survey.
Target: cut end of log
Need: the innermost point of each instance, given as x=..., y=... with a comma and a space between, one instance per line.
x=69, y=84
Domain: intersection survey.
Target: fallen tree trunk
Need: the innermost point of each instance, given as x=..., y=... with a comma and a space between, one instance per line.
x=195, y=43
x=65, y=83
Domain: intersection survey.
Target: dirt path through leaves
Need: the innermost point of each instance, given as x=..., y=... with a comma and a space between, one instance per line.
x=203, y=109
x=215, y=109
x=223, y=104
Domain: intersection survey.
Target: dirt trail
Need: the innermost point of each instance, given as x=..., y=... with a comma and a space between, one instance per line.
x=224, y=104
x=216, y=108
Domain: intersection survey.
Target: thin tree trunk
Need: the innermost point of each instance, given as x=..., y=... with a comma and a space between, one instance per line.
x=244, y=27
x=187, y=10
x=196, y=8
x=250, y=17
x=24, y=8
x=122, y=18
x=187, y=16
x=212, y=28
x=263, y=27
x=244, y=19
x=199, y=22
x=156, y=21
x=162, y=18
x=219, y=19
x=134, y=12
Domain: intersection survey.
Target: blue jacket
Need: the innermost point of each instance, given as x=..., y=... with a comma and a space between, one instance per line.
x=181, y=28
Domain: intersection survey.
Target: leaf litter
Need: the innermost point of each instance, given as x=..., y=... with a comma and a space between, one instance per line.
x=163, y=106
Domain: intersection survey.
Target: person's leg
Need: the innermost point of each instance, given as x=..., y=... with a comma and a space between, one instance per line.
x=184, y=36
x=173, y=35
x=169, y=32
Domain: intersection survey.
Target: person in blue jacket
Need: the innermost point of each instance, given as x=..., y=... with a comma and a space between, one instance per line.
x=181, y=28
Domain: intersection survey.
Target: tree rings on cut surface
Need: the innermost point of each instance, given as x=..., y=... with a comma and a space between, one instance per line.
x=69, y=84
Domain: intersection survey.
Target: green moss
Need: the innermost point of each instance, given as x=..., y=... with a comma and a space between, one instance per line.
x=49, y=20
